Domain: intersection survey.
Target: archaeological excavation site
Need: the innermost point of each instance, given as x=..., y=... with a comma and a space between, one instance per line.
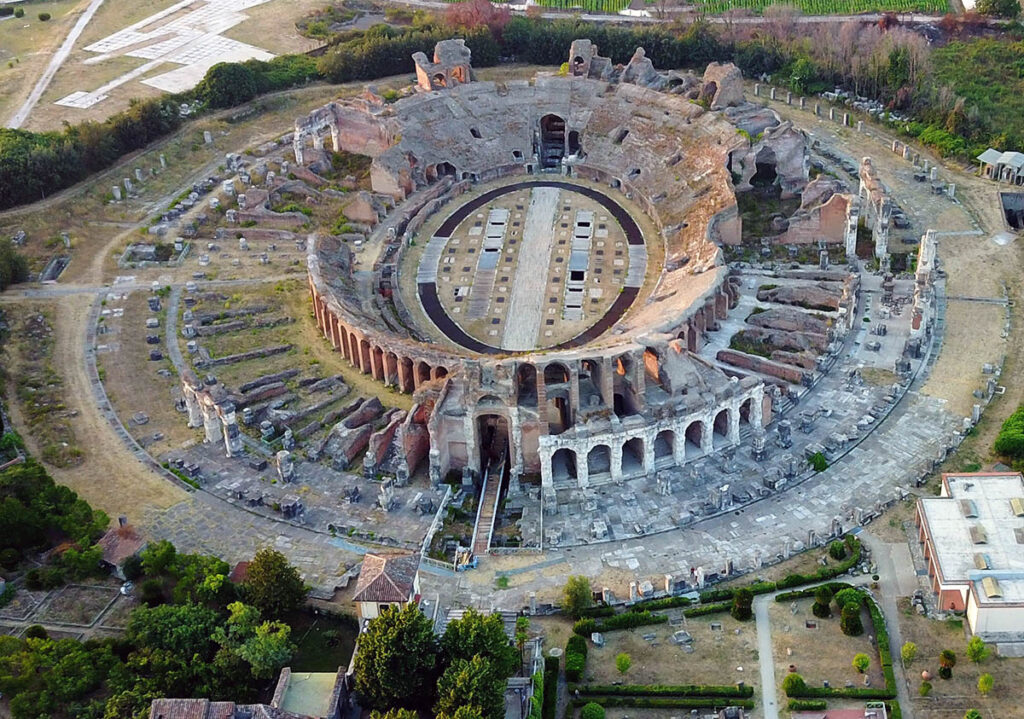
x=472, y=317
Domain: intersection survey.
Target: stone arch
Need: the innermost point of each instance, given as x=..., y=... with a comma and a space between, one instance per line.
x=377, y=363
x=422, y=372
x=552, y=140
x=440, y=372
x=364, y=357
x=391, y=369
x=694, y=437
x=591, y=381
x=556, y=373
x=599, y=461
x=573, y=143
x=563, y=464
x=765, y=163
x=526, y=385
x=440, y=80
x=720, y=427
x=633, y=456
x=652, y=365
x=558, y=411
x=665, y=446
x=747, y=410
x=406, y=375
x=492, y=437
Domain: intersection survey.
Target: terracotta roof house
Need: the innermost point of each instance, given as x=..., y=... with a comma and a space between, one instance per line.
x=386, y=580
x=118, y=544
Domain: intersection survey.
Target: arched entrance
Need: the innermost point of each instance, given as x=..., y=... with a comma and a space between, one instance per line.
x=552, y=140
x=633, y=457
x=599, y=461
x=526, y=385
x=492, y=438
x=694, y=436
x=720, y=434
x=563, y=465
x=664, y=447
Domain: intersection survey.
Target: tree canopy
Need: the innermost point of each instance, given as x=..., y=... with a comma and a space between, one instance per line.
x=396, y=666
x=272, y=585
x=483, y=635
x=576, y=596
x=471, y=683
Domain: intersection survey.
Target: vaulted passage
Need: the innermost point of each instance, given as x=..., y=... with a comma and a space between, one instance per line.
x=552, y=140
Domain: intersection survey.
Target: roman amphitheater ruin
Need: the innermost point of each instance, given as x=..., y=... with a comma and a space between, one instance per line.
x=574, y=279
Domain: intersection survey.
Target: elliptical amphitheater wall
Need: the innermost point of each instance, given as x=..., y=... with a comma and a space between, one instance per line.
x=636, y=399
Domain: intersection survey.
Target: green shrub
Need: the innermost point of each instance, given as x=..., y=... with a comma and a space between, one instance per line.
x=818, y=462
x=849, y=620
x=837, y=550
x=664, y=702
x=592, y=711
x=705, y=609
x=550, y=703
x=798, y=705
x=794, y=685
x=575, y=658
x=44, y=16
x=627, y=620
x=663, y=603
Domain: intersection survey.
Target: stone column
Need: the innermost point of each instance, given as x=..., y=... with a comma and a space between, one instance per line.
x=615, y=451
x=211, y=423
x=232, y=437
x=542, y=402
x=756, y=416
x=607, y=382
x=757, y=89
x=195, y=414
x=734, y=425
x=771, y=93
x=582, y=470
x=404, y=380
x=707, y=435
x=574, y=391
x=679, y=445
x=649, y=451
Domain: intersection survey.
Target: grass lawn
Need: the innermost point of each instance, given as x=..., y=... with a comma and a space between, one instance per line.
x=318, y=650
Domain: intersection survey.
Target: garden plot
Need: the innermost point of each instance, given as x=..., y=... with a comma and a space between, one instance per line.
x=823, y=653
x=76, y=604
x=725, y=654
x=116, y=618
x=24, y=603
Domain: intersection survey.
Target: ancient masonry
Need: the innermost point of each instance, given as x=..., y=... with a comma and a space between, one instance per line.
x=628, y=402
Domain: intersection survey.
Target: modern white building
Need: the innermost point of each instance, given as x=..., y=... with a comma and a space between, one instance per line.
x=973, y=541
x=1002, y=166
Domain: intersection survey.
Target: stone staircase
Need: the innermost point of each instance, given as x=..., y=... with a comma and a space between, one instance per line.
x=488, y=508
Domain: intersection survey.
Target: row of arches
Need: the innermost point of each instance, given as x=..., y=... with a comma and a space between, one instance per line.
x=640, y=455
x=400, y=371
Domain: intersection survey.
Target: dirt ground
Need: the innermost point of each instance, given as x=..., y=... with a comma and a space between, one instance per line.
x=26, y=45
x=132, y=381
x=77, y=604
x=949, y=699
x=720, y=656
x=819, y=654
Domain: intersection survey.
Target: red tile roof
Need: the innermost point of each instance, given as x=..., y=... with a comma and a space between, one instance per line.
x=120, y=543
x=386, y=578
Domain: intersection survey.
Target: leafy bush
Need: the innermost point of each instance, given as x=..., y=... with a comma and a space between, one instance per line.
x=44, y=16
x=798, y=705
x=550, y=703
x=592, y=711
x=705, y=609
x=837, y=550
x=741, y=604
x=849, y=621
x=663, y=603
x=794, y=685
x=663, y=702
x=627, y=620
x=1010, y=442
x=575, y=658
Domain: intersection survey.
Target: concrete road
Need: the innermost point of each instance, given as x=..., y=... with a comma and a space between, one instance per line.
x=19, y=117
x=765, y=656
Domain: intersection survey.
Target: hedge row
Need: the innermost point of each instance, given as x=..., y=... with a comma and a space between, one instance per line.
x=705, y=609
x=676, y=690
x=575, y=658
x=664, y=702
x=586, y=626
x=846, y=693
x=882, y=637
x=663, y=603
x=809, y=592
x=797, y=705
x=550, y=688
x=537, y=700
x=600, y=610
x=718, y=595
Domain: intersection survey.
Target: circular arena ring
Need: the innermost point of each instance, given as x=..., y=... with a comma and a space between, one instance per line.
x=427, y=280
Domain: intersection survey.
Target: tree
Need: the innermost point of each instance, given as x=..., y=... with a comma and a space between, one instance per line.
x=227, y=84
x=849, y=621
x=157, y=558
x=837, y=550
x=742, y=601
x=460, y=713
x=186, y=630
x=822, y=600
x=397, y=661
x=847, y=596
x=861, y=662
x=268, y=649
x=794, y=685
x=1009, y=9
x=132, y=568
x=272, y=585
x=474, y=683
x=623, y=662
x=985, y=682
x=592, y=710
x=577, y=596
x=977, y=650
x=478, y=634
x=947, y=660
x=394, y=714
x=908, y=652
x=522, y=634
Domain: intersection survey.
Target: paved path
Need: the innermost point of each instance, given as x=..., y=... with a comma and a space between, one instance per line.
x=19, y=117
x=766, y=657
x=526, y=305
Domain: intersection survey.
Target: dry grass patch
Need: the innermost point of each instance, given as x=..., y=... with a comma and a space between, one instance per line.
x=76, y=604
x=820, y=654
x=132, y=381
x=952, y=697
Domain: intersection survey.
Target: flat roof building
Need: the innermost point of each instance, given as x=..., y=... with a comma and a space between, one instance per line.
x=973, y=541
